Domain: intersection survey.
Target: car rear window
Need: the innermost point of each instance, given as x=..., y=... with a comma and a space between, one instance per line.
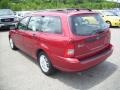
x=87, y=24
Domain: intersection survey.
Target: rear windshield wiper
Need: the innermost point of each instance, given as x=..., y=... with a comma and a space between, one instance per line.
x=101, y=31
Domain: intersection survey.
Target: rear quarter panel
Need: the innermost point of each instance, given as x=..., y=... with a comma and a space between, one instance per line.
x=54, y=44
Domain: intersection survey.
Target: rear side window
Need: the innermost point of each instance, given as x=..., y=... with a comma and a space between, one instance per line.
x=35, y=24
x=51, y=24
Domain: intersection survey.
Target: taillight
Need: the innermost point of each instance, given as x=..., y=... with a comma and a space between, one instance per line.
x=70, y=51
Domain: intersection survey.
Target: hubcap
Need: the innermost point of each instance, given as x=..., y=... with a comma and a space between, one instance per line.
x=44, y=63
x=11, y=43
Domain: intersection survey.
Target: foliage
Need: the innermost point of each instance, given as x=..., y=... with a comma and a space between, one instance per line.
x=43, y=4
x=4, y=4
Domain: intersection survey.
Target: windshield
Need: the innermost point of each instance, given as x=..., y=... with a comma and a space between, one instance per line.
x=6, y=12
x=108, y=13
x=88, y=24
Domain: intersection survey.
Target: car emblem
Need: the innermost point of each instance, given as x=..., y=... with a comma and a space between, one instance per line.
x=81, y=45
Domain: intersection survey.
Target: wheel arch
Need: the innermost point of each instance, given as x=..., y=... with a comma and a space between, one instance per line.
x=38, y=51
x=109, y=22
x=9, y=36
x=47, y=53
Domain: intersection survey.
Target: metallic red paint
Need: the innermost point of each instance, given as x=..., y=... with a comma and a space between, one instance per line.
x=86, y=54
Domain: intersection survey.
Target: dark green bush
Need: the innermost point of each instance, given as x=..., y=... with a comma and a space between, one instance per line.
x=45, y=4
x=4, y=4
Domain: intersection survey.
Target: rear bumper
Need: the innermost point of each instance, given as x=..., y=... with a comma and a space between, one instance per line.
x=75, y=65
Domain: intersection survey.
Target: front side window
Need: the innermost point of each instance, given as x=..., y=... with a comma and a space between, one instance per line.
x=87, y=24
x=22, y=25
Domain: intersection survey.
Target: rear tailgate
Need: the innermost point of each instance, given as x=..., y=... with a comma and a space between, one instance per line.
x=89, y=45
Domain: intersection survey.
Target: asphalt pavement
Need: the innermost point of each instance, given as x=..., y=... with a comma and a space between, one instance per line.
x=20, y=72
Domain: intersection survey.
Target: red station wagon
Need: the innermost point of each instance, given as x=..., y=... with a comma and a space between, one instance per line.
x=69, y=40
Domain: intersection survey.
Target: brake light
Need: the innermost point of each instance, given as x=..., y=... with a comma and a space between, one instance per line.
x=70, y=51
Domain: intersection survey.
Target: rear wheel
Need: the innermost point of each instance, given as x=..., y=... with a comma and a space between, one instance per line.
x=45, y=64
x=12, y=45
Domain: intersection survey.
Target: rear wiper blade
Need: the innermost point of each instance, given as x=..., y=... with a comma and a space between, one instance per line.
x=101, y=31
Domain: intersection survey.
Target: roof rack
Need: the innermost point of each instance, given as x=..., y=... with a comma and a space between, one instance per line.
x=64, y=10
x=78, y=9
x=68, y=9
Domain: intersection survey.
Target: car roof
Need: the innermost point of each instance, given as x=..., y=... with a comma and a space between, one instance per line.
x=60, y=12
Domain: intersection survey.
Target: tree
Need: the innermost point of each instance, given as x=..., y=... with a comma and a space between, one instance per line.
x=4, y=4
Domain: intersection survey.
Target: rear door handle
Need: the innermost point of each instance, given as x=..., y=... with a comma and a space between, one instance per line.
x=33, y=34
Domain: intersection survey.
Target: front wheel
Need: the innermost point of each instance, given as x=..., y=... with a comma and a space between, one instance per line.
x=45, y=64
x=12, y=45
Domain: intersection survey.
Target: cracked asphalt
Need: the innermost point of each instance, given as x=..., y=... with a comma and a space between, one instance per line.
x=20, y=72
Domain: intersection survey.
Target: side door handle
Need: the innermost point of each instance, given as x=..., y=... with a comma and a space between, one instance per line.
x=34, y=35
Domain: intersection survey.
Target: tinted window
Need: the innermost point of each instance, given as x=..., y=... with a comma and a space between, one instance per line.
x=45, y=24
x=51, y=25
x=35, y=24
x=23, y=23
x=88, y=24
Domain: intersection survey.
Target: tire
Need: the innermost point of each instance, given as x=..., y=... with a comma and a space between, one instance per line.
x=12, y=45
x=45, y=64
x=108, y=22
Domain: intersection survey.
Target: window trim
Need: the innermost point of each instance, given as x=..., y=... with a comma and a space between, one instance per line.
x=26, y=23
